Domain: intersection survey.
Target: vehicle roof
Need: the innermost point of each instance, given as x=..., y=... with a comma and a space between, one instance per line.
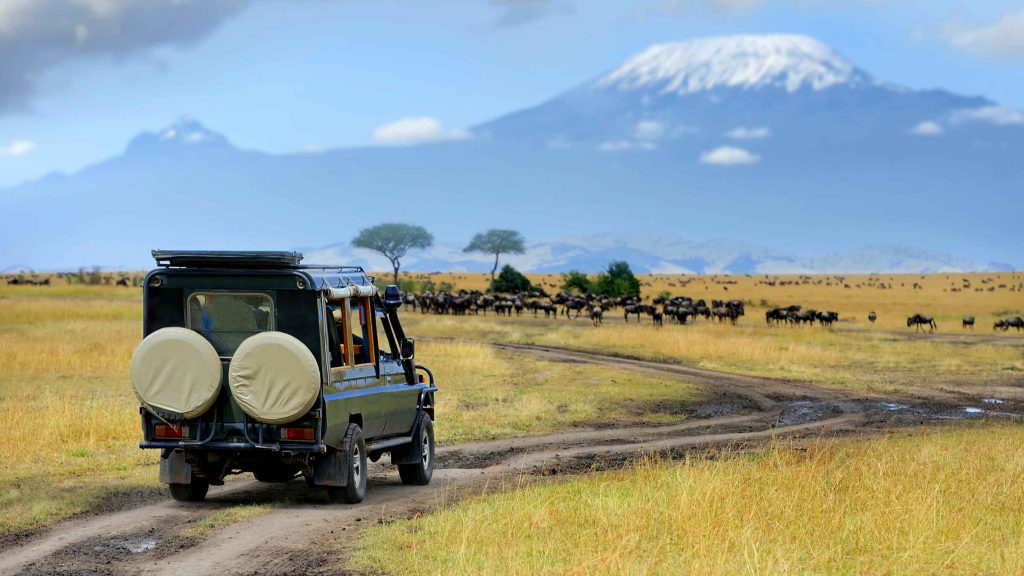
x=321, y=276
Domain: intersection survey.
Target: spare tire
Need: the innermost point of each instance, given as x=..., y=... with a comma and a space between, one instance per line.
x=274, y=378
x=176, y=374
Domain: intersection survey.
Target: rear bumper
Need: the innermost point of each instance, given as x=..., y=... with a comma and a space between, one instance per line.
x=226, y=446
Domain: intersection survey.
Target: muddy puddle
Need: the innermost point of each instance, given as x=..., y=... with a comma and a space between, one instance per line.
x=96, y=556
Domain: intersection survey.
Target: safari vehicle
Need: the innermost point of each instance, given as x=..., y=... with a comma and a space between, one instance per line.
x=252, y=362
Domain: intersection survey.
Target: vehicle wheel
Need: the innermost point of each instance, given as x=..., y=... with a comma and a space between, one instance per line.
x=419, y=474
x=274, y=475
x=354, y=489
x=194, y=491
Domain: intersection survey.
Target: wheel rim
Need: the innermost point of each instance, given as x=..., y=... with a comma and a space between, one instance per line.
x=425, y=448
x=357, y=466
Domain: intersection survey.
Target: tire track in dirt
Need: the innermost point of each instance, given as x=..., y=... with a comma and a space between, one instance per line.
x=304, y=535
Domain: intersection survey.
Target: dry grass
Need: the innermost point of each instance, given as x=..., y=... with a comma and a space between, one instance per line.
x=944, y=502
x=868, y=360
x=70, y=419
x=486, y=393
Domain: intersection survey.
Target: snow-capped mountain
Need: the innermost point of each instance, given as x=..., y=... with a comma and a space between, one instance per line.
x=788, y=62
x=767, y=140
x=185, y=133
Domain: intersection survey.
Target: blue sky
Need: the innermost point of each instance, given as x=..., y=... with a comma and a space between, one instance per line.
x=287, y=76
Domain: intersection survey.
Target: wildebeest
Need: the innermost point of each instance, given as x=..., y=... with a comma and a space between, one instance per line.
x=828, y=317
x=921, y=320
x=968, y=322
x=872, y=316
x=657, y=317
x=999, y=325
x=577, y=304
x=637, y=309
x=122, y=281
x=596, y=315
x=1015, y=322
x=777, y=316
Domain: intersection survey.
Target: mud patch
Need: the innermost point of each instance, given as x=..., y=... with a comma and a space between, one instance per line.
x=97, y=556
x=804, y=411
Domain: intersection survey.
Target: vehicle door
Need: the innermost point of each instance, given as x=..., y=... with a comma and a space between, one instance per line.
x=355, y=385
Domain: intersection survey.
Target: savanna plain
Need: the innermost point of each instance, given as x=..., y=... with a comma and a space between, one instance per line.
x=920, y=472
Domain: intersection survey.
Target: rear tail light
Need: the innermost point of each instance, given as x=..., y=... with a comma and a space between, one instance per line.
x=422, y=378
x=168, y=431
x=297, y=434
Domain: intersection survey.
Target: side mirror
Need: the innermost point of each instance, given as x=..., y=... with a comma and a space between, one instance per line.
x=392, y=297
x=408, y=348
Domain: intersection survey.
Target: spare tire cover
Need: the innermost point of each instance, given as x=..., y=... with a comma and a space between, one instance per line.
x=176, y=373
x=274, y=378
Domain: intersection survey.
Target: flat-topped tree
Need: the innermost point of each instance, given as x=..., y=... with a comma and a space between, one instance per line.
x=393, y=241
x=497, y=241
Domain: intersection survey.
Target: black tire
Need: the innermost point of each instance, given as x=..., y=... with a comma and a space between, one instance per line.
x=354, y=490
x=419, y=474
x=194, y=491
x=274, y=475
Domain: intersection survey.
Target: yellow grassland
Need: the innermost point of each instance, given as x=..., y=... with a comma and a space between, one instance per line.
x=71, y=423
x=949, y=501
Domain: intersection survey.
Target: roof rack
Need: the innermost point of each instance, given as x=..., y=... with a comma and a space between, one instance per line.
x=226, y=259
x=333, y=268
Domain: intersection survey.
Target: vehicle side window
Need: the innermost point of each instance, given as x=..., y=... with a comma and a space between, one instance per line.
x=336, y=336
x=361, y=337
x=226, y=319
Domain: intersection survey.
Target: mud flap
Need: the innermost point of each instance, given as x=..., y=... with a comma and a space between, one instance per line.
x=174, y=469
x=409, y=453
x=331, y=469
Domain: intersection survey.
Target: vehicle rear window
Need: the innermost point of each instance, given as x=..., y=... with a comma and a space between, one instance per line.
x=228, y=318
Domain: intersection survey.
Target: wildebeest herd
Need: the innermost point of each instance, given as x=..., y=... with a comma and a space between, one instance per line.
x=794, y=314
x=662, y=309
x=1007, y=323
x=28, y=282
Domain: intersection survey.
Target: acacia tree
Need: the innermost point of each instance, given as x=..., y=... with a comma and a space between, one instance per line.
x=497, y=241
x=393, y=241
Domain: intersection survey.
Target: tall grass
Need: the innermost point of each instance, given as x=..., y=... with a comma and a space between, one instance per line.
x=945, y=502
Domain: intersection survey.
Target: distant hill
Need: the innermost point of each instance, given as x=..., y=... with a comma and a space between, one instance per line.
x=765, y=140
x=658, y=255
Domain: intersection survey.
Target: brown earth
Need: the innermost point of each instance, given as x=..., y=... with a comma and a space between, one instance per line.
x=304, y=534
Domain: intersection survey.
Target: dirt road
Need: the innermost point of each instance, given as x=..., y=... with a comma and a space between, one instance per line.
x=742, y=411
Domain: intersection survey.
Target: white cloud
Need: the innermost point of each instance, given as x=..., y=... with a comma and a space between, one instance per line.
x=17, y=148
x=1002, y=38
x=729, y=156
x=648, y=130
x=416, y=130
x=312, y=148
x=928, y=128
x=744, y=133
x=998, y=115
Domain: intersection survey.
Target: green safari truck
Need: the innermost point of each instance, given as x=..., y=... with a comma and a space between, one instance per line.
x=254, y=362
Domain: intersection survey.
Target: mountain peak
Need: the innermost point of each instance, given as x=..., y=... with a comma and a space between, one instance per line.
x=789, y=62
x=184, y=133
